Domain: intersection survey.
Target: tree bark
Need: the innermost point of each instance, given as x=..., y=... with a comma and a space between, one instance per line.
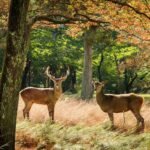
x=129, y=80
x=69, y=84
x=99, y=68
x=26, y=75
x=118, y=88
x=87, y=87
x=73, y=80
x=15, y=57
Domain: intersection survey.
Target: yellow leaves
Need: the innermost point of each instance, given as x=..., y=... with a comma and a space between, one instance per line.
x=132, y=27
x=122, y=18
x=4, y=5
x=140, y=5
x=74, y=31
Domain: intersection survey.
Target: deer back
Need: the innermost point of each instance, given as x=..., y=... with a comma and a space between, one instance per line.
x=37, y=95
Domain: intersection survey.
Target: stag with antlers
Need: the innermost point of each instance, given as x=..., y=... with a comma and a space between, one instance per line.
x=44, y=96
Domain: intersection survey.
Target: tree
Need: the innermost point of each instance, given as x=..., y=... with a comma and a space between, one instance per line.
x=135, y=68
x=87, y=87
x=15, y=56
x=129, y=78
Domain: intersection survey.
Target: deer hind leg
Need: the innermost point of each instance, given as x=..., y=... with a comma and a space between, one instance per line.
x=27, y=109
x=24, y=112
x=111, y=117
x=140, y=119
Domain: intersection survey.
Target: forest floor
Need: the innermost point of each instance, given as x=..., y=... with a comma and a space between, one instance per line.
x=80, y=125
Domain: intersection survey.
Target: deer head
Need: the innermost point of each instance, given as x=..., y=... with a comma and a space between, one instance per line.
x=99, y=85
x=57, y=81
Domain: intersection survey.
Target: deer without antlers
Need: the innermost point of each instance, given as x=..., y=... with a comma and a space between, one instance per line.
x=111, y=103
x=45, y=96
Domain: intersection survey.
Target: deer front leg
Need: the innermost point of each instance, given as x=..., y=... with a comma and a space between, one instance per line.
x=51, y=111
x=52, y=114
x=27, y=109
x=111, y=117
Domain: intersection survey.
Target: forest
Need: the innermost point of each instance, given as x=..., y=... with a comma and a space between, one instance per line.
x=66, y=57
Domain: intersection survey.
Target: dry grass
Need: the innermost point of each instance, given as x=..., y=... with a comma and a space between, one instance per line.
x=72, y=111
x=79, y=125
x=56, y=136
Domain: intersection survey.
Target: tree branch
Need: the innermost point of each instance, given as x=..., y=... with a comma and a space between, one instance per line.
x=123, y=31
x=64, y=19
x=132, y=80
x=50, y=18
x=90, y=19
x=124, y=4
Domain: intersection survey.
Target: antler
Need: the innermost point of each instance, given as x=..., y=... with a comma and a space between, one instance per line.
x=67, y=74
x=48, y=74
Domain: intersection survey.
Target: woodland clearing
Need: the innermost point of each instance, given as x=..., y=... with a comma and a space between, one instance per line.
x=80, y=125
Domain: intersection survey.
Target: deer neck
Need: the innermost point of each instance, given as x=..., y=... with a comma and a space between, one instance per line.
x=57, y=92
x=100, y=95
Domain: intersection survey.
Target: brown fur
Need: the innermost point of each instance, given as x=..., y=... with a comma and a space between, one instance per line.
x=111, y=103
x=44, y=96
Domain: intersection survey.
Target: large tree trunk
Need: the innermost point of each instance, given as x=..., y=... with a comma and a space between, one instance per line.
x=26, y=75
x=87, y=87
x=15, y=56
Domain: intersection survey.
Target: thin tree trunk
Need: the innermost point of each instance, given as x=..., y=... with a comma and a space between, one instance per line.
x=118, y=88
x=100, y=67
x=15, y=57
x=73, y=80
x=87, y=87
x=69, y=84
x=132, y=81
x=129, y=80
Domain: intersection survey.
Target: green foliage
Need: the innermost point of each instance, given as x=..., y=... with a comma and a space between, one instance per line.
x=51, y=47
x=54, y=48
x=82, y=137
x=114, y=53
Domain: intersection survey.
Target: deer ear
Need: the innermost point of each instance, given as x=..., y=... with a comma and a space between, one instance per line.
x=93, y=82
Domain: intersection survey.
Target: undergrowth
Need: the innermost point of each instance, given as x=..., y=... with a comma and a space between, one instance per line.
x=57, y=136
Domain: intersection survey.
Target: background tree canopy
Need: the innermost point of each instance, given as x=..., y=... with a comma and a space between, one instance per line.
x=55, y=48
x=111, y=60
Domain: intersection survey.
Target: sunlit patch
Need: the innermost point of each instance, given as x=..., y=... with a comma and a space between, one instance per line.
x=71, y=111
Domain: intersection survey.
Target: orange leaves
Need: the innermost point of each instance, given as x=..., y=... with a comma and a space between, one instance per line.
x=127, y=19
x=130, y=18
x=4, y=5
x=140, y=5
